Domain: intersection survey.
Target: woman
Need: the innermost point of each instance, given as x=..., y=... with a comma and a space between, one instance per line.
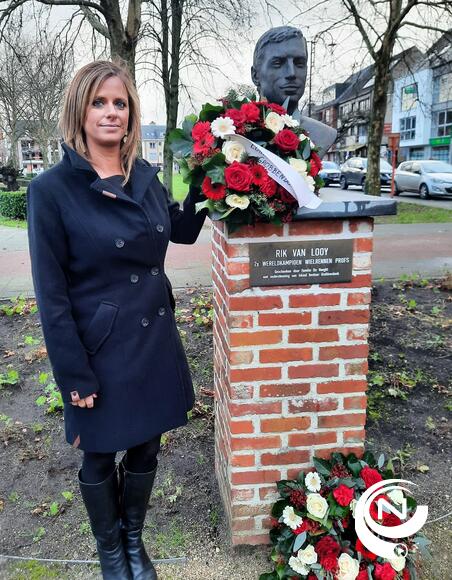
x=99, y=226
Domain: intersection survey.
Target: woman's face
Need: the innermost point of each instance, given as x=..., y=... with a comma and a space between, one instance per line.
x=107, y=115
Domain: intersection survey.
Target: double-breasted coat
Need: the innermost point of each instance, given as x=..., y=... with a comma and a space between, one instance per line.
x=105, y=302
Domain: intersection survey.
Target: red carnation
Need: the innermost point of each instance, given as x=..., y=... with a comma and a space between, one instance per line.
x=329, y=563
x=384, y=572
x=343, y=495
x=327, y=546
x=373, y=508
x=370, y=476
x=406, y=574
x=213, y=190
x=204, y=144
x=363, y=575
x=237, y=116
x=276, y=108
x=200, y=129
x=251, y=113
x=259, y=174
x=286, y=140
x=269, y=187
x=359, y=546
x=391, y=520
x=301, y=528
x=285, y=195
x=316, y=164
x=238, y=176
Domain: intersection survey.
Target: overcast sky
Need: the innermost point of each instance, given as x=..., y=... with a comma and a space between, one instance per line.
x=336, y=56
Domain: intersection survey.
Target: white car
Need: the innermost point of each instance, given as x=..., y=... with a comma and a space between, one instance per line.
x=428, y=178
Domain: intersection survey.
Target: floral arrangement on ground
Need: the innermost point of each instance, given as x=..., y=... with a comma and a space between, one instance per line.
x=229, y=152
x=313, y=532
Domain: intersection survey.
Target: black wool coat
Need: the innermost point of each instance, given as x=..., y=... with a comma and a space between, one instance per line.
x=105, y=302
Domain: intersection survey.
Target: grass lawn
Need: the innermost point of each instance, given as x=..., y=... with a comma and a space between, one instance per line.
x=411, y=213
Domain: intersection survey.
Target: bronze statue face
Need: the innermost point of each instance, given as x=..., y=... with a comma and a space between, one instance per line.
x=281, y=71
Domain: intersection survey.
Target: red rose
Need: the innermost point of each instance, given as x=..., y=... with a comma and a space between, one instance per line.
x=363, y=575
x=345, y=522
x=286, y=140
x=406, y=574
x=384, y=572
x=373, y=509
x=276, y=108
x=285, y=195
x=316, y=164
x=213, y=190
x=251, y=112
x=269, y=187
x=259, y=174
x=370, y=476
x=200, y=129
x=327, y=546
x=238, y=176
x=364, y=551
x=329, y=563
x=204, y=144
x=343, y=494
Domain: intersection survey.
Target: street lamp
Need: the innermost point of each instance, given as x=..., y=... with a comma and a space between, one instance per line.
x=312, y=43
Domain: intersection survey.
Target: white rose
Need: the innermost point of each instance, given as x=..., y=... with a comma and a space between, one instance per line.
x=240, y=201
x=290, y=518
x=353, y=506
x=312, y=479
x=308, y=556
x=310, y=181
x=348, y=567
x=398, y=563
x=222, y=126
x=302, y=136
x=396, y=496
x=274, y=122
x=298, y=566
x=311, y=143
x=299, y=165
x=233, y=151
x=290, y=121
x=316, y=505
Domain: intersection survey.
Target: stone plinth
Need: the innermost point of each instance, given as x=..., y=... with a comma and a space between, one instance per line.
x=290, y=366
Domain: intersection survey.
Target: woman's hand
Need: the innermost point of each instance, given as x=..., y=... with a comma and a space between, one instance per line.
x=86, y=402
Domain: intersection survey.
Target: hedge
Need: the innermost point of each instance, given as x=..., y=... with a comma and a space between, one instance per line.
x=13, y=204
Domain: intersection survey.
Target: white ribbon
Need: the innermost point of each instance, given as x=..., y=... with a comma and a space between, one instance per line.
x=281, y=171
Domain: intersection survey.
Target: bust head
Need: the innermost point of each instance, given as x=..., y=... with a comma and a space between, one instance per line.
x=280, y=65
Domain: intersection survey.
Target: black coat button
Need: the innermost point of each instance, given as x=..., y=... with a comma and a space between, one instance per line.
x=159, y=228
x=144, y=322
x=162, y=311
x=134, y=278
x=155, y=271
x=119, y=243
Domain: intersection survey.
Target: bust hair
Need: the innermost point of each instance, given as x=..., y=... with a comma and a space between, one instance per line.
x=278, y=34
x=78, y=95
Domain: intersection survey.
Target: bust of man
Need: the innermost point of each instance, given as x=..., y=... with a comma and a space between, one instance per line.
x=279, y=72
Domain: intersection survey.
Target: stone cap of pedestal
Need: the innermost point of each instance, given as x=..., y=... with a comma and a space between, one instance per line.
x=346, y=204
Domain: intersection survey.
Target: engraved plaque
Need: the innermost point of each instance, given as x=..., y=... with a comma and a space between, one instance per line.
x=287, y=263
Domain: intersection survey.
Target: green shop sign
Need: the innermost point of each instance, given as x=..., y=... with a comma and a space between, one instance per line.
x=438, y=141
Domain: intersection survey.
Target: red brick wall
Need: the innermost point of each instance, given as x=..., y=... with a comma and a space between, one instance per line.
x=290, y=368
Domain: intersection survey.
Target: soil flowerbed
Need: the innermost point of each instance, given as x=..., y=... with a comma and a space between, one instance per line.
x=42, y=516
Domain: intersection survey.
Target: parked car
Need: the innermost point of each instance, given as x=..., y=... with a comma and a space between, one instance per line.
x=428, y=178
x=354, y=170
x=330, y=172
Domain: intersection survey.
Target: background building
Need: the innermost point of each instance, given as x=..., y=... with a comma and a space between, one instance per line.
x=153, y=138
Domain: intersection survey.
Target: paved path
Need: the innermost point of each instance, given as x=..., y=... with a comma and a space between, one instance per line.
x=399, y=249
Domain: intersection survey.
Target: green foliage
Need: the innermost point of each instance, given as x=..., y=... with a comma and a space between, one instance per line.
x=68, y=496
x=13, y=204
x=410, y=213
x=19, y=305
x=203, y=310
x=51, y=397
x=10, y=378
x=39, y=534
x=85, y=528
x=30, y=341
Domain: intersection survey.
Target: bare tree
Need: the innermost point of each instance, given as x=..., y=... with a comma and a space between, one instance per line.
x=12, y=95
x=381, y=24
x=46, y=71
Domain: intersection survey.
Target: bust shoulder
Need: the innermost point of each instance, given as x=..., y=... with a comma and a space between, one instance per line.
x=322, y=135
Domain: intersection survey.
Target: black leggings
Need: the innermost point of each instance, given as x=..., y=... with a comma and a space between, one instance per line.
x=140, y=459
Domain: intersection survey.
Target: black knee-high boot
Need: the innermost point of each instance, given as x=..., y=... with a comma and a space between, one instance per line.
x=135, y=490
x=102, y=504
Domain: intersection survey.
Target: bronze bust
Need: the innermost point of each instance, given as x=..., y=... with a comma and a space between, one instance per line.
x=279, y=72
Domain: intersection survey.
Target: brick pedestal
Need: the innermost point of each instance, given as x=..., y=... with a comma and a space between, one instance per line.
x=290, y=368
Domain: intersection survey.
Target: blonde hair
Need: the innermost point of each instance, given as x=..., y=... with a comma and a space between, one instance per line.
x=80, y=91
